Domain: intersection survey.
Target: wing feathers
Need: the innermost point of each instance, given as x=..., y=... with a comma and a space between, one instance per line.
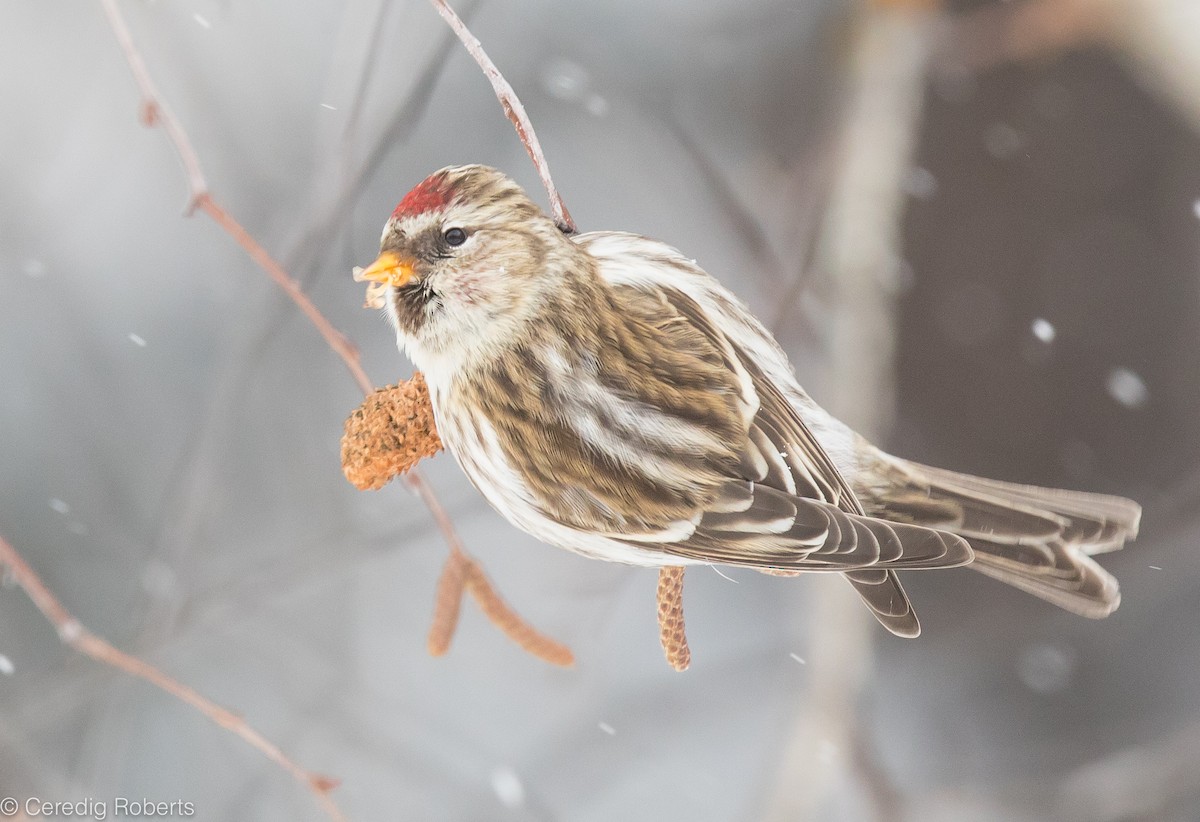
x=786, y=507
x=780, y=531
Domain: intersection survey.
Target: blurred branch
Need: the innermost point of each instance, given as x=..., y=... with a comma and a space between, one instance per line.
x=72, y=632
x=370, y=59
x=745, y=221
x=857, y=245
x=805, y=216
x=155, y=112
x=332, y=212
x=337, y=341
x=1021, y=31
x=1151, y=781
x=513, y=110
x=884, y=794
x=1159, y=39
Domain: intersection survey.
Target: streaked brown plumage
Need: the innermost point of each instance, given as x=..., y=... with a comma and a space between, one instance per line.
x=608, y=396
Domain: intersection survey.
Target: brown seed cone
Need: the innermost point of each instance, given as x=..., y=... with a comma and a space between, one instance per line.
x=388, y=434
x=670, y=617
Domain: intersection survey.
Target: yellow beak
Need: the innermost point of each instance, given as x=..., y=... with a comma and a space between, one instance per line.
x=389, y=270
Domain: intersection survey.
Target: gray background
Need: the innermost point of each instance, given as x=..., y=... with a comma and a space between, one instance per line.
x=184, y=497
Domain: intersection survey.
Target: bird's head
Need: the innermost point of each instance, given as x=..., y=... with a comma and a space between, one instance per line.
x=464, y=264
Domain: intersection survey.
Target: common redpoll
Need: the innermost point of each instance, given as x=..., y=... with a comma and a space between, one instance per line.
x=608, y=396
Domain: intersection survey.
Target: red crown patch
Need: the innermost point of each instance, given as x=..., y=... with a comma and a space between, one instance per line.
x=430, y=194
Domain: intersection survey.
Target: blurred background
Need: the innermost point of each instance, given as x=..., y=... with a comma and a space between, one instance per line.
x=975, y=226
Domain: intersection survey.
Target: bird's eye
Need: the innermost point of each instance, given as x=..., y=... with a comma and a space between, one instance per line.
x=455, y=236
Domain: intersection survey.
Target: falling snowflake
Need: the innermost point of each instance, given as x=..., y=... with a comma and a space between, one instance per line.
x=566, y=80
x=1127, y=387
x=1044, y=330
x=1003, y=141
x=508, y=787
x=920, y=183
x=1046, y=669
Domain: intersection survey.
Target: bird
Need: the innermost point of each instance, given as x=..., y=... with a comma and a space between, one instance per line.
x=608, y=396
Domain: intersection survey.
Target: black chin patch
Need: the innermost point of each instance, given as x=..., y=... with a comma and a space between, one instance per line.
x=414, y=304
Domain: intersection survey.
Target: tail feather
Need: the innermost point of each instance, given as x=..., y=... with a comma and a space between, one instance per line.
x=1089, y=590
x=1037, y=539
x=1095, y=522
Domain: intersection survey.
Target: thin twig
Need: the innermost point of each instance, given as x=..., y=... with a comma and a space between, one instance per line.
x=745, y=222
x=513, y=110
x=154, y=110
x=72, y=632
x=338, y=342
x=806, y=216
x=319, y=231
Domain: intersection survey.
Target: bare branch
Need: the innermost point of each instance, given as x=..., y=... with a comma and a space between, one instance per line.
x=341, y=345
x=154, y=110
x=72, y=632
x=318, y=232
x=513, y=110
x=744, y=221
x=338, y=341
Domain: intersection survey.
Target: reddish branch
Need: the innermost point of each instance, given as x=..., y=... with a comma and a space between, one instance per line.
x=512, y=109
x=462, y=573
x=338, y=341
x=199, y=197
x=154, y=110
x=982, y=39
x=75, y=635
